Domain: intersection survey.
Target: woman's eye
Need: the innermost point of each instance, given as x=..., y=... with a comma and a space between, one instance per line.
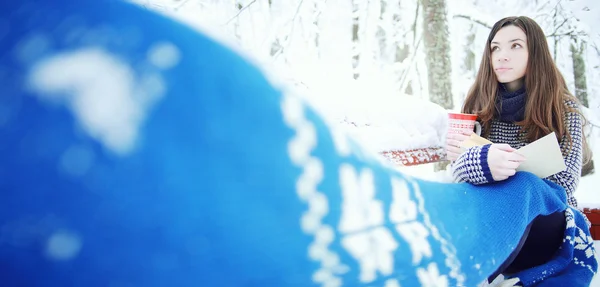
x=495, y=48
x=515, y=45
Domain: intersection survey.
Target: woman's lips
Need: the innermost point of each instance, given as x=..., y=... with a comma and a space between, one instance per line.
x=502, y=70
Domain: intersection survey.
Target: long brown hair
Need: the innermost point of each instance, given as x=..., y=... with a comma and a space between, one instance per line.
x=546, y=87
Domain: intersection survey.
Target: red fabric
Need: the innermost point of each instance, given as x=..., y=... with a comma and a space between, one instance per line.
x=593, y=214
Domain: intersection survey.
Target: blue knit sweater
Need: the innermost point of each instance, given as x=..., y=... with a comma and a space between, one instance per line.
x=217, y=178
x=472, y=165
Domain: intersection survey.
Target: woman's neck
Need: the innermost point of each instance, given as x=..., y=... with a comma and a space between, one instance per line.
x=514, y=85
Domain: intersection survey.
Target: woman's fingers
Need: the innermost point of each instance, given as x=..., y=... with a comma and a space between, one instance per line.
x=511, y=164
x=453, y=145
x=502, y=174
x=515, y=156
x=499, y=177
x=452, y=152
x=458, y=137
x=504, y=147
x=453, y=142
x=503, y=161
x=508, y=172
x=453, y=149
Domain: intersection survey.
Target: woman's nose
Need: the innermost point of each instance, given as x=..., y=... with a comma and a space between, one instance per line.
x=503, y=57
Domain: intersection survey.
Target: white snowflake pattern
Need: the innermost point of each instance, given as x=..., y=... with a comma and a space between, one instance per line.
x=416, y=235
x=371, y=244
x=402, y=209
x=431, y=277
x=360, y=209
x=447, y=248
x=584, y=243
x=570, y=218
x=373, y=250
x=392, y=283
x=340, y=140
x=403, y=212
x=580, y=240
x=299, y=150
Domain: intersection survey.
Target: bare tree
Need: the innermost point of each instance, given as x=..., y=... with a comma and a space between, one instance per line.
x=577, y=48
x=405, y=44
x=437, y=50
x=356, y=39
x=577, y=52
x=437, y=56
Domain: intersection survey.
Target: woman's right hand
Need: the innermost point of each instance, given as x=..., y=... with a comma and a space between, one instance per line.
x=503, y=161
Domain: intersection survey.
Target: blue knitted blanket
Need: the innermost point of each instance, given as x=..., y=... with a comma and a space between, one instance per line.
x=137, y=152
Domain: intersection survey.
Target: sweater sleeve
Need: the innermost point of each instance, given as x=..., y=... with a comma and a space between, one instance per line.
x=472, y=166
x=572, y=153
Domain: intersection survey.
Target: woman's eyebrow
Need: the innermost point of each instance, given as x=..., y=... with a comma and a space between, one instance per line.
x=513, y=40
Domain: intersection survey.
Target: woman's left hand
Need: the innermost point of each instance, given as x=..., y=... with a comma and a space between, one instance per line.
x=453, y=142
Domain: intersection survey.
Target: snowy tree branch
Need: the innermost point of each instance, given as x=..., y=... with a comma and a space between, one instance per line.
x=596, y=48
x=414, y=27
x=473, y=20
x=560, y=25
x=294, y=19
x=288, y=38
x=404, y=77
x=240, y=12
x=181, y=5
x=567, y=34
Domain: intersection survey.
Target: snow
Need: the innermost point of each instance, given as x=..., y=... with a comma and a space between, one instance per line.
x=397, y=124
x=588, y=193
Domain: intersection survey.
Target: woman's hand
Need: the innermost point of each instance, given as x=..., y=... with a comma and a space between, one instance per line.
x=503, y=161
x=453, y=141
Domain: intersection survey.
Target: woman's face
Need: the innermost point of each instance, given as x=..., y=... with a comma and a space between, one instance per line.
x=509, y=56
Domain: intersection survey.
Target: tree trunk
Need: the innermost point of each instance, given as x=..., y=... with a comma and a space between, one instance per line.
x=577, y=52
x=402, y=53
x=469, y=61
x=355, y=39
x=437, y=52
x=437, y=57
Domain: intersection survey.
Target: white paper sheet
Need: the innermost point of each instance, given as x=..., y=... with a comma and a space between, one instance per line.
x=543, y=157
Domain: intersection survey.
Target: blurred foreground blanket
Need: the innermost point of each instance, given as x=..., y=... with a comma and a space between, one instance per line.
x=137, y=152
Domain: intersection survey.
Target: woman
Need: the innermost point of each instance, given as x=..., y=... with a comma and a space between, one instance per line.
x=520, y=96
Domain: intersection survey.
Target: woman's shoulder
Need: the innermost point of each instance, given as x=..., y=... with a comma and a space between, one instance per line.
x=571, y=102
x=574, y=110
